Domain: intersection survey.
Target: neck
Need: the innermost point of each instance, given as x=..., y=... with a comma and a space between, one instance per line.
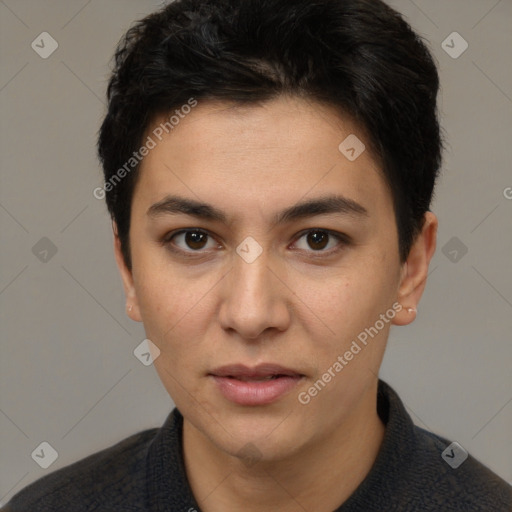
x=320, y=477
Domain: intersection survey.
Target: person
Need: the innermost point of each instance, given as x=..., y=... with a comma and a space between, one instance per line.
x=269, y=169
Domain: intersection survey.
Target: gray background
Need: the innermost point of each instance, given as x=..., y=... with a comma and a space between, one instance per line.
x=68, y=373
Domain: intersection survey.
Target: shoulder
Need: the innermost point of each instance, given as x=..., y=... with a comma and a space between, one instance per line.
x=117, y=474
x=420, y=470
x=452, y=479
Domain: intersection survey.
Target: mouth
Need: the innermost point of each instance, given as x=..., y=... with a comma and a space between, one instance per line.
x=245, y=378
x=261, y=385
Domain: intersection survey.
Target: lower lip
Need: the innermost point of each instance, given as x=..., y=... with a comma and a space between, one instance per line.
x=254, y=392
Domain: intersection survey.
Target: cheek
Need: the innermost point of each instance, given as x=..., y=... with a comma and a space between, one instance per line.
x=175, y=313
x=165, y=291
x=336, y=309
x=175, y=309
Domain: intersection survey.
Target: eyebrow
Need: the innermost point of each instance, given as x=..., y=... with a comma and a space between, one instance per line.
x=175, y=205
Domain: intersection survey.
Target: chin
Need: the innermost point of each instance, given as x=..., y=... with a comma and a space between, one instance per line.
x=259, y=437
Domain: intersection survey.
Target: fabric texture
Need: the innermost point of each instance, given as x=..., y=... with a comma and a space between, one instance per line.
x=146, y=473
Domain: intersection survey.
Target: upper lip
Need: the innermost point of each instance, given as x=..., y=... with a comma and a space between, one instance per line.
x=261, y=370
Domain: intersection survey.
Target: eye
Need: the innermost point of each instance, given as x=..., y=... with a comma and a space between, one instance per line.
x=191, y=240
x=320, y=240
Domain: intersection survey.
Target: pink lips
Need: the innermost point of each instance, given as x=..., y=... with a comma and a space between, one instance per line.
x=260, y=385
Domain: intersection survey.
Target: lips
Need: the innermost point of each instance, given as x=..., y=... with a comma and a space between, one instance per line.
x=261, y=385
x=262, y=371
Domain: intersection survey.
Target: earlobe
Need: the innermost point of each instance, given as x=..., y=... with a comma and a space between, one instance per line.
x=415, y=271
x=132, y=305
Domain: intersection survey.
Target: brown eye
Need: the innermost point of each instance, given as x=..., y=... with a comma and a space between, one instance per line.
x=321, y=241
x=196, y=239
x=190, y=241
x=317, y=240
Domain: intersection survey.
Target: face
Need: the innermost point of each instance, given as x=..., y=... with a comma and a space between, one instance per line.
x=260, y=253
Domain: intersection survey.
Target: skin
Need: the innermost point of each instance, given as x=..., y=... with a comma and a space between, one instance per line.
x=295, y=305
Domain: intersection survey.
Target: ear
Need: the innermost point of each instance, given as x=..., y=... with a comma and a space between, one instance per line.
x=132, y=304
x=415, y=270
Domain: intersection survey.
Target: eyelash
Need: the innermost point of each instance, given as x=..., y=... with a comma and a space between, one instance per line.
x=343, y=241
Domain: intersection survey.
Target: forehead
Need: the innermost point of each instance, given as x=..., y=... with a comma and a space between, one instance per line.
x=257, y=155
x=285, y=124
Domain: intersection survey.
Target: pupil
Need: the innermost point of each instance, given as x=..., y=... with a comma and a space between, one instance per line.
x=317, y=240
x=195, y=239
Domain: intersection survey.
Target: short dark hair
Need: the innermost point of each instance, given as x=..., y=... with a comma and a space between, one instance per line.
x=358, y=56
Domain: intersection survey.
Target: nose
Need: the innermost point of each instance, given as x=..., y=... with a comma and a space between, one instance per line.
x=254, y=300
